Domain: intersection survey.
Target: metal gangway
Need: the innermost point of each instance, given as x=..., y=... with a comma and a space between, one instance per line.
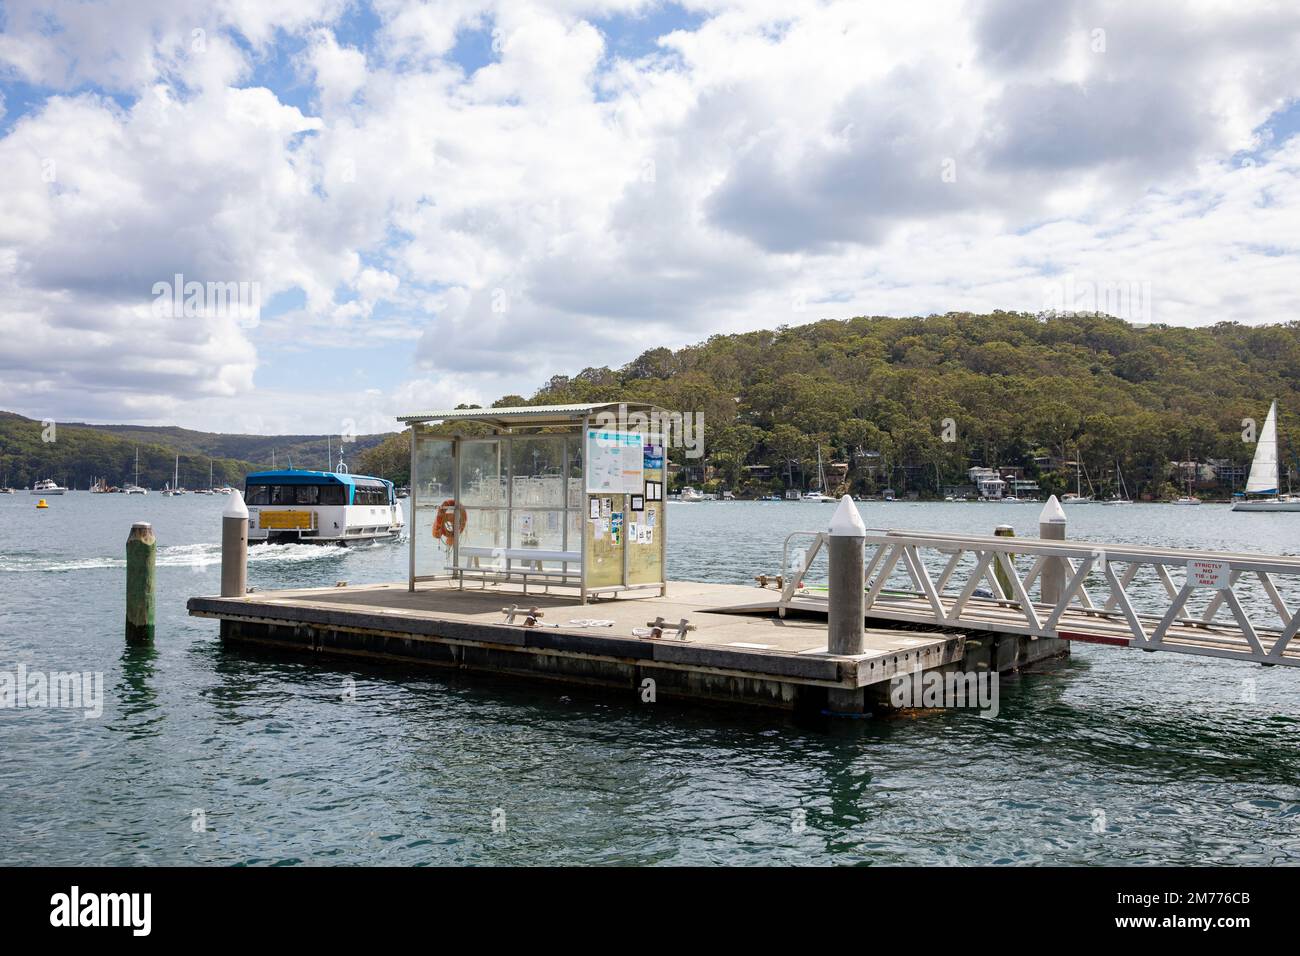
x=955, y=583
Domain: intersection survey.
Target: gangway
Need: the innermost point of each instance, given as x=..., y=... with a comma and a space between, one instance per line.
x=954, y=582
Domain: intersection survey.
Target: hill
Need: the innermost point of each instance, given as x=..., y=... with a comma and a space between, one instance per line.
x=76, y=453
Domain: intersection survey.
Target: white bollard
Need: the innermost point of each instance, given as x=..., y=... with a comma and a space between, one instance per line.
x=846, y=596
x=234, y=547
x=1051, y=527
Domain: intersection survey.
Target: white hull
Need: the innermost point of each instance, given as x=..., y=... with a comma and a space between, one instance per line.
x=332, y=524
x=1272, y=504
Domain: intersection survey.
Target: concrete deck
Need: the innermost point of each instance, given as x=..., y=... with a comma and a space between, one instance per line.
x=751, y=658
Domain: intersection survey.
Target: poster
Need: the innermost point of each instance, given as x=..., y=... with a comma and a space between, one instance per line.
x=615, y=462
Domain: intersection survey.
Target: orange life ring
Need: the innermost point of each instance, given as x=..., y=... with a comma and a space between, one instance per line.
x=447, y=527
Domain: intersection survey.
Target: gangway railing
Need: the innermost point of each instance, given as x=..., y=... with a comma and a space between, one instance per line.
x=955, y=583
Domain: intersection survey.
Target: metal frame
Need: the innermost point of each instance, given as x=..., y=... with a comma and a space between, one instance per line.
x=965, y=594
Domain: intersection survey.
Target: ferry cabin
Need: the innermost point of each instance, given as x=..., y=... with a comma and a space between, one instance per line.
x=325, y=507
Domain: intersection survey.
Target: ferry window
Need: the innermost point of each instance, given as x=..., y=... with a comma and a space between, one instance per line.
x=258, y=495
x=333, y=495
x=370, y=493
x=307, y=495
x=281, y=494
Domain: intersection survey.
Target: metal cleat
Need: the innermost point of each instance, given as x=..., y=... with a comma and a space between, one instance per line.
x=679, y=630
x=533, y=616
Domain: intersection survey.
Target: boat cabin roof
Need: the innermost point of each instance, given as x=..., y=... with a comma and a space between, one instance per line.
x=296, y=476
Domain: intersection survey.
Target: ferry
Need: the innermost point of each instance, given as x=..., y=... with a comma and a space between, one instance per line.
x=320, y=507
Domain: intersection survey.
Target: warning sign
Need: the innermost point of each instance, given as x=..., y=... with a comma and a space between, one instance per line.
x=1208, y=574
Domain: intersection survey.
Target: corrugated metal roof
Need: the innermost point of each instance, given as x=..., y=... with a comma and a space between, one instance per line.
x=521, y=414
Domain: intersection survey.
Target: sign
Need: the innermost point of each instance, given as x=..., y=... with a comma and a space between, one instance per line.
x=615, y=462
x=1208, y=574
x=653, y=457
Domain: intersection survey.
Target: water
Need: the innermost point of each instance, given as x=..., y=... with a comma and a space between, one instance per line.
x=1162, y=753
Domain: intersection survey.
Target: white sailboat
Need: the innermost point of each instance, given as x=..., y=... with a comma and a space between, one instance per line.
x=134, y=488
x=1123, y=498
x=174, y=488
x=820, y=495
x=1263, y=478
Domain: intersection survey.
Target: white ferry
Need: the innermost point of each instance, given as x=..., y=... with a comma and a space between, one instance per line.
x=325, y=507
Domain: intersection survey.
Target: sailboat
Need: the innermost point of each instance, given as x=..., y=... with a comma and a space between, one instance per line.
x=209, y=490
x=1123, y=498
x=821, y=482
x=1263, y=478
x=174, y=488
x=1189, y=498
x=1078, y=498
x=134, y=488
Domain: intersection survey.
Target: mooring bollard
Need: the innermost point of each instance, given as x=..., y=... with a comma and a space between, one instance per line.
x=846, y=595
x=1051, y=527
x=140, y=547
x=234, y=547
x=1004, y=582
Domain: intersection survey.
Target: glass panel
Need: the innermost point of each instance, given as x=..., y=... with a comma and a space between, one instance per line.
x=577, y=497
x=538, y=472
x=482, y=483
x=484, y=528
x=430, y=486
x=307, y=495
x=538, y=529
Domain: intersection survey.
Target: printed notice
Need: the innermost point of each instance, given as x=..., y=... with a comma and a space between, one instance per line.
x=615, y=462
x=1208, y=574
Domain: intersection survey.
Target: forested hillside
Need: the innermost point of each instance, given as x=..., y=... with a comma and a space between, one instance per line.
x=76, y=453
x=874, y=392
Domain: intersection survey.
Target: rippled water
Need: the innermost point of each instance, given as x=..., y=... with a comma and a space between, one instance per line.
x=1162, y=753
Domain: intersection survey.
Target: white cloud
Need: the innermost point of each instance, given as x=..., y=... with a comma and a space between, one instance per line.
x=566, y=206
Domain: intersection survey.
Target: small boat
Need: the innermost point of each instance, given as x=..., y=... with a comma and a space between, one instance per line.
x=1187, y=500
x=1123, y=498
x=47, y=487
x=691, y=494
x=224, y=490
x=1263, y=478
x=134, y=488
x=173, y=488
x=1077, y=500
x=818, y=496
x=320, y=507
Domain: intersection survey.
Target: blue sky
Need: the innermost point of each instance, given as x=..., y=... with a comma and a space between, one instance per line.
x=452, y=200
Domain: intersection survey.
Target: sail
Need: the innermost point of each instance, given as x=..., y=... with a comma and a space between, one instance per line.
x=1263, y=470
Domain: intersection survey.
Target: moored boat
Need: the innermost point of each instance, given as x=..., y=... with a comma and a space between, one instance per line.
x=47, y=486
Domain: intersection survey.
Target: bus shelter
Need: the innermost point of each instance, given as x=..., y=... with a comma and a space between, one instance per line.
x=554, y=495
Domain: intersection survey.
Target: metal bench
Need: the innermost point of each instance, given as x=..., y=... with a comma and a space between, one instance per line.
x=533, y=558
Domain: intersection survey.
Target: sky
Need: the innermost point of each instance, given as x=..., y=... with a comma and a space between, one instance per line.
x=386, y=207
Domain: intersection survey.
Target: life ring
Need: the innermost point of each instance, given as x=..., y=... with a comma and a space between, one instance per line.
x=447, y=527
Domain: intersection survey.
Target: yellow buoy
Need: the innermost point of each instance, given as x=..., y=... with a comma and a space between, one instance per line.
x=41, y=504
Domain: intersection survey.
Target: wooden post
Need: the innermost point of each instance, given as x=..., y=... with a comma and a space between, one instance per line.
x=234, y=547
x=1004, y=582
x=140, y=548
x=1051, y=527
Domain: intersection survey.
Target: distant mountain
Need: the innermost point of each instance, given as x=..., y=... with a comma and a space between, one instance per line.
x=77, y=453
